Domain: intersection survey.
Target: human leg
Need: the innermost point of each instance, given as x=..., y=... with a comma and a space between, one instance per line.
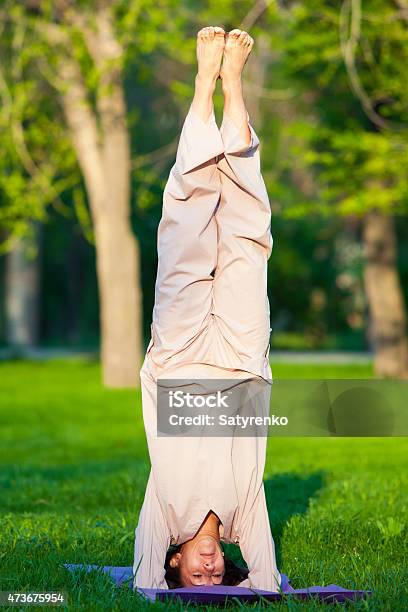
x=237, y=49
x=187, y=233
x=243, y=221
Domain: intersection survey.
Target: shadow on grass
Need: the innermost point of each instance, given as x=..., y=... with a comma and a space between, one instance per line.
x=287, y=495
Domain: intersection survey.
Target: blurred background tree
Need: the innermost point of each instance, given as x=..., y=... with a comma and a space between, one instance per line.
x=74, y=57
x=351, y=134
x=93, y=97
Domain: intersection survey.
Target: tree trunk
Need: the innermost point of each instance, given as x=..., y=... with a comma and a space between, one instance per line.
x=22, y=290
x=101, y=141
x=120, y=301
x=387, y=328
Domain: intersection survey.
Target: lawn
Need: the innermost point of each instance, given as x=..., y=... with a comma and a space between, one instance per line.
x=74, y=466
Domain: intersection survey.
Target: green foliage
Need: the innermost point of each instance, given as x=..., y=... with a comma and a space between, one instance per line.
x=350, y=130
x=36, y=159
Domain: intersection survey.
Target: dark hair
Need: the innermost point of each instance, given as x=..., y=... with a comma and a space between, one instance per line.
x=234, y=574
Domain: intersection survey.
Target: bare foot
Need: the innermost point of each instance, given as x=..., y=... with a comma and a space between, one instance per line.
x=237, y=49
x=210, y=49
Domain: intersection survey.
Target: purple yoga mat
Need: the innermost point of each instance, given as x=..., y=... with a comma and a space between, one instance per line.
x=219, y=594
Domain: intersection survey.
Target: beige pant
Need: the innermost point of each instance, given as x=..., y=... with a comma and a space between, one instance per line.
x=210, y=320
x=214, y=240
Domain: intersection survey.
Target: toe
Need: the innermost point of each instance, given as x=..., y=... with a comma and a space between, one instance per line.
x=204, y=33
x=211, y=32
x=234, y=33
x=219, y=31
x=242, y=37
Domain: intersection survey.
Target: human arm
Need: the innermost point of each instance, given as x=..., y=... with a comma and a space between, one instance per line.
x=258, y=548
x=152, y=540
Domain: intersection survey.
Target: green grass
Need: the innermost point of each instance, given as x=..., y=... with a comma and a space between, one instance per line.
x=74, y=466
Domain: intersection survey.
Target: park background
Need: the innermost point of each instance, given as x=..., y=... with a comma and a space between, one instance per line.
x=93, y=95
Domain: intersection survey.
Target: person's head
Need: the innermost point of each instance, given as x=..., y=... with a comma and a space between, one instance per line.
x=199, y=563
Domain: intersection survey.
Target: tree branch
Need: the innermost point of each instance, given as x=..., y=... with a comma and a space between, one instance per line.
x=254, y=14
x=107, y=54
x=80, y=117
x=349, y=26
x=403, y=9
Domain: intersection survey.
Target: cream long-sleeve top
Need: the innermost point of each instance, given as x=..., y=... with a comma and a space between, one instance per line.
x=210, y=320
